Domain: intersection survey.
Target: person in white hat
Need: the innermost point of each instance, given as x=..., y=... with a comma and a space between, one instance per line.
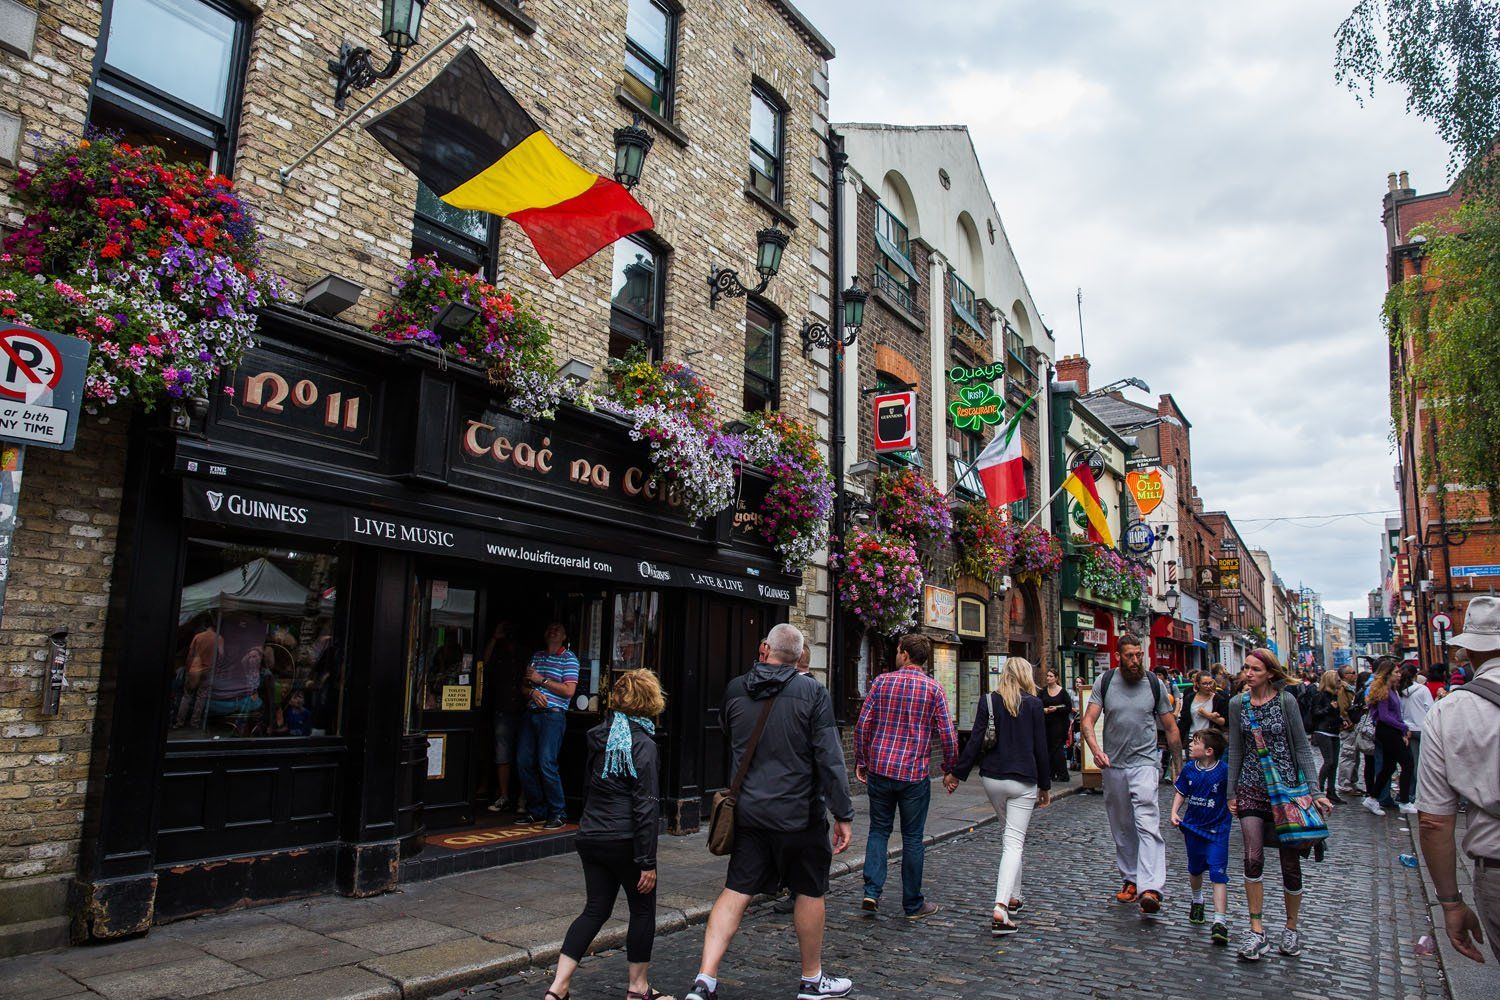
x=1460, y=759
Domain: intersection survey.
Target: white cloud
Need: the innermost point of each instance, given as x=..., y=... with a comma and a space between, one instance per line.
x=1196, y=169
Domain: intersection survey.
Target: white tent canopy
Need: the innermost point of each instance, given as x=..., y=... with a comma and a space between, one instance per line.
x=257, y=586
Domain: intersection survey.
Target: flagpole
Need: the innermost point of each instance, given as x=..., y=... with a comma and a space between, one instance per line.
x=1045, y=505
x=465, y=27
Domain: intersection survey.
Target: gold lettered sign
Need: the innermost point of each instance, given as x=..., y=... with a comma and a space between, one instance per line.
x=457, y=697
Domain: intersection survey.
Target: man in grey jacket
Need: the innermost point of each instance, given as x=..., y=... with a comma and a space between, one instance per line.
x=781, y=836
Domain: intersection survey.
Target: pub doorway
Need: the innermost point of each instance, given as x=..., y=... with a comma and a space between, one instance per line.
x=472, y=635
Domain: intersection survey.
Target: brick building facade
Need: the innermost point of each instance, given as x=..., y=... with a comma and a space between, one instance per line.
x=1449, y=546
x=722, y=91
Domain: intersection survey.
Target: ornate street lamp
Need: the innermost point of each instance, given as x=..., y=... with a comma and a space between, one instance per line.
x=816, y=334
x=724, y=283
x=632, y=143
x=400, y=21
x=1173, y=599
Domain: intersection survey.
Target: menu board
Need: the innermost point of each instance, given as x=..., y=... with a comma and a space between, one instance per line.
x=968, y=693
x=945, y=672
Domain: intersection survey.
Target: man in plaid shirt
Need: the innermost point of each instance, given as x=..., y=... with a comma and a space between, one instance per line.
x=892, y=746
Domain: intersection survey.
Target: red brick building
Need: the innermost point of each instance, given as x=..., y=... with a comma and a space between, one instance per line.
x=1450, y=548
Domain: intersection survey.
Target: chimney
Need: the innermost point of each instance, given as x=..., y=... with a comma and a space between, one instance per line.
x=1405, y=183
x=1390, y=181
x=1074, y=368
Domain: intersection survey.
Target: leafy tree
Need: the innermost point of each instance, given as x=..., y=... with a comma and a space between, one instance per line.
x=1445, y=54
x=1451, y=313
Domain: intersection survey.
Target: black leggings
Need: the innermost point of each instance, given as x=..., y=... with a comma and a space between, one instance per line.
x=1393, y=753
x=608, y=867
x=1253, y=831
x=1328, y=746
x=1058, y=756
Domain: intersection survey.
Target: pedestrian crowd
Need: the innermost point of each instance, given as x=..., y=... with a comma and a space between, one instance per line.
x=1263, y=749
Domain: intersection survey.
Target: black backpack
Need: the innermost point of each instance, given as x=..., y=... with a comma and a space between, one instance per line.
x=1109, y=676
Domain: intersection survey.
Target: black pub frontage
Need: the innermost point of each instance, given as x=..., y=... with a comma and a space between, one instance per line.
x=305, y=654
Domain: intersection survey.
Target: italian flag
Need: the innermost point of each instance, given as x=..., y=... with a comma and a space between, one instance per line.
x=1000, y=468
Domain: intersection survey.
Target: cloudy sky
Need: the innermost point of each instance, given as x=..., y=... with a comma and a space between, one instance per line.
x=1197, y=171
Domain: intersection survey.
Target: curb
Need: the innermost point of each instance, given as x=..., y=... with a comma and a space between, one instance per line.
x=1457, y=970
x=668, y=919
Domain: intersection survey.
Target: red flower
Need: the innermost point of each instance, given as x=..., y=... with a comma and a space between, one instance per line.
x=111, y=251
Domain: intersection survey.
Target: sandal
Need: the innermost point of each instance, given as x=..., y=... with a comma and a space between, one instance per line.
x=650, y=994
x=553, y=996
x=1000, y=923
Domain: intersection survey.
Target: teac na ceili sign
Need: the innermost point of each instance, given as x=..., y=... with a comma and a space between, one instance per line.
x=41, y=386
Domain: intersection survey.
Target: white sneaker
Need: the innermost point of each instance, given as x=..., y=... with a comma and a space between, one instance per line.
x=1372, y=805
x=826, y=988
x=1408, y=807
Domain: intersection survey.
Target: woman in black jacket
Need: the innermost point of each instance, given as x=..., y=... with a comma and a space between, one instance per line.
x=1203, y=707
x=1326, y=723
x=617, y=832
x=1015, y=773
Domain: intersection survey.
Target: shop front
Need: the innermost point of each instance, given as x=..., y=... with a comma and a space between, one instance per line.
x=1088, y=643
x=1171, y=641
x=335, y=580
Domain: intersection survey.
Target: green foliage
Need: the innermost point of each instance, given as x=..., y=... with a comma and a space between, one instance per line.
x=1451, y=312
x=1446, y=56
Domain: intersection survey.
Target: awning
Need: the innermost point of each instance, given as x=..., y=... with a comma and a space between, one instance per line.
x=1200, y=644
x=223, y=503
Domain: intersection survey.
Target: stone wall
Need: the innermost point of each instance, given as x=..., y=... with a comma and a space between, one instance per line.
x=59, y=576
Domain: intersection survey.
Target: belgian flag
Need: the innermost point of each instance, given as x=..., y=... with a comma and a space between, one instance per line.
x=470, y=141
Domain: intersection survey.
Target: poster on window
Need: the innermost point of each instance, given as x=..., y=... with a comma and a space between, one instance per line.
x=945, y=672
x=968, y=693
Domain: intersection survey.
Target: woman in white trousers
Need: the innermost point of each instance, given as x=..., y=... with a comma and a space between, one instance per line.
x=1014, y=769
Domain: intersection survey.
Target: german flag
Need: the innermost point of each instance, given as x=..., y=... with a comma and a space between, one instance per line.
x=470, y=141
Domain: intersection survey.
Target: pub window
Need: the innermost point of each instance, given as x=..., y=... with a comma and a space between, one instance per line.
x=635, y=298
x=651, y=54
x=256, y=651
x=462, y=238
x=766, y=128
x=186, y=104
x=964, y=303
x=895, y=274
x=964, y=446
x=762, y=359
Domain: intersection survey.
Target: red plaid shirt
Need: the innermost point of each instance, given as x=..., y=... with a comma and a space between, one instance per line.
x=893, y=737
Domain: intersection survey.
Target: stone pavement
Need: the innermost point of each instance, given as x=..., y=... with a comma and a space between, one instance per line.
x=424, y=939
x=1362, y=914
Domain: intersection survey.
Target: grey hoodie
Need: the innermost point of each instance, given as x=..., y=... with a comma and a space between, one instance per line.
x=799, y=755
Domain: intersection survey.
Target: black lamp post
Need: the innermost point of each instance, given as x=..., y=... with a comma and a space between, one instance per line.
x=400, y=20
x=632, y=143
x=725, y=283
x=817, y=334
x=1173, y=599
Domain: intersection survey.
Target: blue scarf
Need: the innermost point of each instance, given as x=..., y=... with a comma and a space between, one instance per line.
x=618, y=758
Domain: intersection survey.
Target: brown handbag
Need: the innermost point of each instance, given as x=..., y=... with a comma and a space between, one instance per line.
x=721, y=813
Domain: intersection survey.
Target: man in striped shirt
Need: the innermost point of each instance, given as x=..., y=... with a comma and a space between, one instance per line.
x=892, y=748
x=553, y=677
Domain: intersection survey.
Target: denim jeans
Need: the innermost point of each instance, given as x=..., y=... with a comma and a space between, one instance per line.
x=536, y=760
x=912, y=799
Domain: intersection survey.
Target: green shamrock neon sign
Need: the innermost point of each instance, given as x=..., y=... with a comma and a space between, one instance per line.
x=976, y=406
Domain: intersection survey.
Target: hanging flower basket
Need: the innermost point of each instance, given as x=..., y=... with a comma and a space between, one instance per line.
x=881, y=580
x=155, y=264
x=984, y=542
x=911, y=505
x=1036, y=552
x=794, y=514
x=505, y=337
x=1109, y=575
x=674, y=412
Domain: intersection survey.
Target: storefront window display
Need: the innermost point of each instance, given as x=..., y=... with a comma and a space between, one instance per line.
x=256, y=652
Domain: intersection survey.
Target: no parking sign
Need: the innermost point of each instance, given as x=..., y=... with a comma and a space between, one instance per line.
x=41, y=386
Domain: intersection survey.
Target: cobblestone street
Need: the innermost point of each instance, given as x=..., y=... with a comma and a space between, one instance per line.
x=1362, y=914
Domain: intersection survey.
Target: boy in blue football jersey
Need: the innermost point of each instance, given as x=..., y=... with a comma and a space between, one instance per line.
x=1205, y=825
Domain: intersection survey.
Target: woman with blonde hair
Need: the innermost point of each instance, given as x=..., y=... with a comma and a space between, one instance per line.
x=1009, y=742
x=617, y=832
